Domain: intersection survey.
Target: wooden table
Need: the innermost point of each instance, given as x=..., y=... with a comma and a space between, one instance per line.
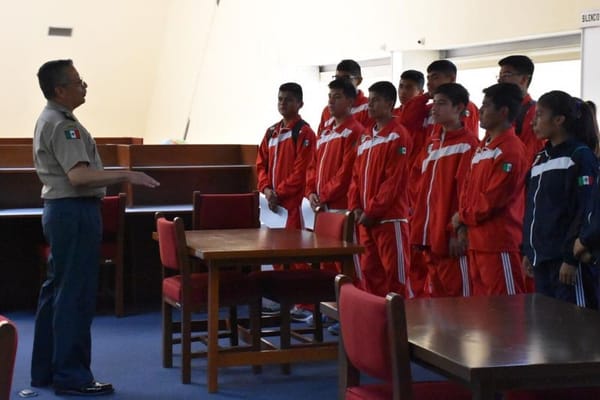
x=218, y=248
x=506, y=342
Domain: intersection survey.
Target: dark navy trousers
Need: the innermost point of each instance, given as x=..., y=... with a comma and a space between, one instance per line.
x=585, y=291
x=62, y=338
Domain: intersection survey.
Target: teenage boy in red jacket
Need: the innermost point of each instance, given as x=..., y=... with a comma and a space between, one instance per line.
x=437, y=253
x=349, y=69
x=283, y=156
x=416, y=115
x=378, y=197
x=411, y=85
x=518, y=70
x=492, y=202
x=330, y=170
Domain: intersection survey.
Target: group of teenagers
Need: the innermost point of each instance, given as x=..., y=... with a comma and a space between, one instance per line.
x=438, y=211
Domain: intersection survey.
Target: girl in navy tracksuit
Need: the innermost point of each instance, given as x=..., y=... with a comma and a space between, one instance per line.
x=558, y=192
x=587, y=245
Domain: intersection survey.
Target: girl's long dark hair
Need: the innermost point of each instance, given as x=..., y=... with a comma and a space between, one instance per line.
x=579, y=120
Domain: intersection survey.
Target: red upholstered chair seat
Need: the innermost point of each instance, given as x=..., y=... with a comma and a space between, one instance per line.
x=8, y=351
x=234, y=288
x=306, y=286
x=420, y=390
x=107, y=250
x=374, y=342
x=370, y=392
x=188, y=292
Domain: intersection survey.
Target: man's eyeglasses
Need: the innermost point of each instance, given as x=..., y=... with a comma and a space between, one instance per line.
x=79, y=82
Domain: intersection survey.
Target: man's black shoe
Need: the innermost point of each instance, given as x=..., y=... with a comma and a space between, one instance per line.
x=92, y=389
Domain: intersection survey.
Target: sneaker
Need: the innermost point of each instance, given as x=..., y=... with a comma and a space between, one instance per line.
x=301, y=315
x=270, y=308
x=334, y=329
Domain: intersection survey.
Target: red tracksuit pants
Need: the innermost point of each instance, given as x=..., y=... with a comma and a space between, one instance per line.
x=384, y=263
x=495, y=273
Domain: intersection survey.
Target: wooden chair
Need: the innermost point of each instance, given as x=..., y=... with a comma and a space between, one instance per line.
x=188, y=292
x=8, y=352
x=290, y=287
x=113, y=244
x=374, y=341
x=226, y=211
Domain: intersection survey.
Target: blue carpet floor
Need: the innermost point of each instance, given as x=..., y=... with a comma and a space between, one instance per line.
x=126, y=352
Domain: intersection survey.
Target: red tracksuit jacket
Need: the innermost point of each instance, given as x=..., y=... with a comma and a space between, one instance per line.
x=359, y=110
x=330, y=170
x=532, y=144
x=415, y=117
x=380, y=173
x=281, y=162
x=442, y=167
x=492, y=198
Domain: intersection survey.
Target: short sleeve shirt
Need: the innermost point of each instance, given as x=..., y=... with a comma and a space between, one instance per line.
x=60, y=142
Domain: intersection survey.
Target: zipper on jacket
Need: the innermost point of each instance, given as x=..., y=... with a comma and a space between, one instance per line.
x=531, y=227
x=428, y=202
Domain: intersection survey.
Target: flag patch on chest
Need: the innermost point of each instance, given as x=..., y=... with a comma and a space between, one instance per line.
x=507, y=167
x=72, y=133
x=585, y=180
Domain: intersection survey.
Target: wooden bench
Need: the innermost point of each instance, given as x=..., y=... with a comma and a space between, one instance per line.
x=181, y=169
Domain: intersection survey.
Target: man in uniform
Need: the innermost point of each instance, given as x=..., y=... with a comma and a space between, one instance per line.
x=68, y=164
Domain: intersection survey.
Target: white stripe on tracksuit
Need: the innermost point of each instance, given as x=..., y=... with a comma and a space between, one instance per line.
x=508, y=276
x=579, y=293
x=400, y=251
x=464, y=273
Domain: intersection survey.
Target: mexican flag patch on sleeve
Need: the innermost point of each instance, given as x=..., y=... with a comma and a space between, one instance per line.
x=72, y=133
x=585, y=180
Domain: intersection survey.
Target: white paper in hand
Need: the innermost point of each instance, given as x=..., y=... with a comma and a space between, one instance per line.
x=308, y=214
x=270, y=218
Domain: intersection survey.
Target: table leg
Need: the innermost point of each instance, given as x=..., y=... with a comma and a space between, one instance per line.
x=213, y=327
x=483, y=391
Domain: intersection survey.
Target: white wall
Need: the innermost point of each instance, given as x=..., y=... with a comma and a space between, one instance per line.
x=113, y=47
x=448, y=24
x=250, y=48
x=151, y=64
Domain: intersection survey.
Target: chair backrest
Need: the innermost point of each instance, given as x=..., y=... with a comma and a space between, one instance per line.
x=225, y=211
x=113, y=217
x=8, y=351
x=171, y=243
x=337, y=224
x=374, y=337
